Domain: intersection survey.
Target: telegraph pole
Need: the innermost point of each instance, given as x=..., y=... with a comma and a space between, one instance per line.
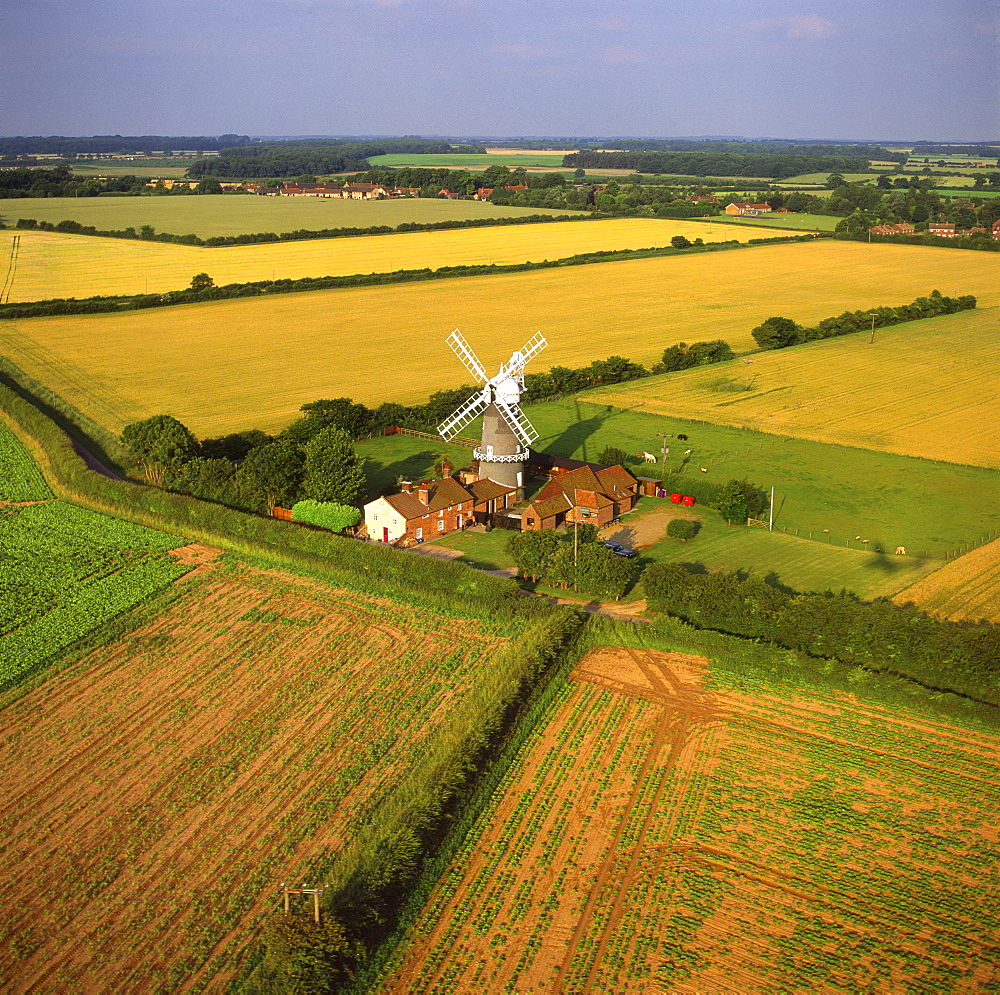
x=770, y=520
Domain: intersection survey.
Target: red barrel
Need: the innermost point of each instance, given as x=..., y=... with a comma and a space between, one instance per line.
x=688, y=500
x=676, y=498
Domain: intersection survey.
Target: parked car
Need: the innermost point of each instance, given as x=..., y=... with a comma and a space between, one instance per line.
x=622, y=551
x=613, y=546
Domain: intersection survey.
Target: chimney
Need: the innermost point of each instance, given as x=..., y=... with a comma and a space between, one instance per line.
x=445, y=470
x=407, y=486
x=424, y=494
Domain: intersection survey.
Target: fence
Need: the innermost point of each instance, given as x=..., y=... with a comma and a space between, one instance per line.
x=948, y=554
x=458, y=440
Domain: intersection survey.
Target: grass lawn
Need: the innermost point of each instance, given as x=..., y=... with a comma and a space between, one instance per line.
x=888, y=499
x=486, y=550
x=394, y=456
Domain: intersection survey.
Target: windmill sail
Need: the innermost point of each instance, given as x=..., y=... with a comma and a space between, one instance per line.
x=461, y=349
x=519, y=425
x=472, y=408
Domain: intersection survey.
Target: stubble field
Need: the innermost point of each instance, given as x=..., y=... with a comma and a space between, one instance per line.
x=925, y=388
x=56, y=265
x=238, y=214
x=660, y=833
x=241, y=364
x=178, y=774
x=965, y=590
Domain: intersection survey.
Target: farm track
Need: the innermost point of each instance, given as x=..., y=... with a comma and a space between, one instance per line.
x=663, y=834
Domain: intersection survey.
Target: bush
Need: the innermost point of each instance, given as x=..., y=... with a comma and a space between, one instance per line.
x=326, y=514
x=683, y=528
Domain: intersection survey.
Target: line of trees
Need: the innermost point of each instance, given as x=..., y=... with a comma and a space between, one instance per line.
x=775, y=166
x=295, y=158
x=249, y=470
x=878, y=635
x=760, y=148
x=149, y=234
x=229, y=291
x=778, y=332
x=114, y=144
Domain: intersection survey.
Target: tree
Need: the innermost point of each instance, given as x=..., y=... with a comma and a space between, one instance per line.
x=680, y=242
x=740, y=500
x=532, y=552
x=272, y=474
x=834, y=180
x=209, y=185
x=201, y=281
x=333, y=471
x=776, y=333
x=158, y=443
x=610, y=456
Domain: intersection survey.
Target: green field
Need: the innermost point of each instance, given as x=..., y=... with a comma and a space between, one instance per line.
x=924, y=388
x=20, y=478
x=238, y=214
x=888, y=499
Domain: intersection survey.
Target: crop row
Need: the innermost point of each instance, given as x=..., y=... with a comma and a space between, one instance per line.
x=20, y=478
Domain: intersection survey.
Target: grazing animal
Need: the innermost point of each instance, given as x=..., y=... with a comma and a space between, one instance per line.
x=703, y=470
x=649, y=457
x=683, y=438
x=688, y=452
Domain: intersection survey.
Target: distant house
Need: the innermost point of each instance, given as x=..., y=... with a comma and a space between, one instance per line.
x=483, y=193
x=434, y=508
x=363, y=191
x=406, y=191
x=996, y=229
x=704, y=199
x=310, y=190
x=943, y=229
x=743, y=209
x=581, y=495
x=901, y=229
x=450, y=194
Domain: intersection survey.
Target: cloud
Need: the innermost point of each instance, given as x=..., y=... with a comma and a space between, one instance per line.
x=621, y=55
x=811, y=27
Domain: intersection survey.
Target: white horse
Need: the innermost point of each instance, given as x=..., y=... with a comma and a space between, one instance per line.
x=649, y=457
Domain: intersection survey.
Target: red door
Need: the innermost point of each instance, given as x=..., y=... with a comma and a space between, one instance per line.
x=385, y=534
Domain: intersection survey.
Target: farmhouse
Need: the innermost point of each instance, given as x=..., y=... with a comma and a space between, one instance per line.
x=901, y=229
x=435, y=508
x=584, y=496
x=747, y=210
x=943, y=229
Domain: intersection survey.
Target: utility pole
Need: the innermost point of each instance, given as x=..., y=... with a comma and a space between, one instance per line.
x=872, y=339
x=770, y=521
x=664, y=451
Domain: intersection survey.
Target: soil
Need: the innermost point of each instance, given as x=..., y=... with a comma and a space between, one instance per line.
x=159, y=789
x=663, y=835
x=647, y=530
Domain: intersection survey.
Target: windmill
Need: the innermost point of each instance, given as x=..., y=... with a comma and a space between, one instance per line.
x=507, y=434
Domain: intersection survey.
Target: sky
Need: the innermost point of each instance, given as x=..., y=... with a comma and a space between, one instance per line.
x=835, y=69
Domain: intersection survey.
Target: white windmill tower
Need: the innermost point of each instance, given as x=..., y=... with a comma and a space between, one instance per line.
x=507, y=434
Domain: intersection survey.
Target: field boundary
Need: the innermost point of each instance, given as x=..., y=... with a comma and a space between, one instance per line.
x=132, y=302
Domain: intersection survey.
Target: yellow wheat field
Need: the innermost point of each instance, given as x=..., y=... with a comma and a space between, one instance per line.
x=927, y=388
x=252, y=363
x=51, y=264
x=967, y=589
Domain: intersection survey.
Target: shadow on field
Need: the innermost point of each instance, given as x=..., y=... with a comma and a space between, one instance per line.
x=573, y=437
x=381, y=477
x=887, y=563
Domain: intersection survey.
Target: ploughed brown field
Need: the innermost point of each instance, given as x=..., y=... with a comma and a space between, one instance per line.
x=663, y=832
x=159, y=789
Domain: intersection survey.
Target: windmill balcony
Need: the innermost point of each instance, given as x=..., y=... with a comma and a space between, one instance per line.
x=496, y=458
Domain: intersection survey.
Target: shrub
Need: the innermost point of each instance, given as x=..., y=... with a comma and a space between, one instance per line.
x=326, y=514
x=683, y=528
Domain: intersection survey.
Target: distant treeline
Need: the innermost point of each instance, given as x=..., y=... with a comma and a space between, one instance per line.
x=776, y=166
x=928, y=148
x=759, y=148
x=111, y=144
x=979, y=242
x=131, y=302
x=285, y=159
x=878, y=636
x=60, y=182
x=778, y=332
x=146, y=233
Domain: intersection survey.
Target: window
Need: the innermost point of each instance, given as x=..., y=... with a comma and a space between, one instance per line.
x=441, y=513
x=374, y=518
x=420, y=533
x=440, y=525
